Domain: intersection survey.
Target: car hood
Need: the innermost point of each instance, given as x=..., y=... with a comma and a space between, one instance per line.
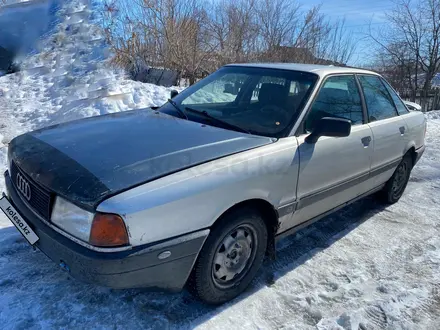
x=87, y=160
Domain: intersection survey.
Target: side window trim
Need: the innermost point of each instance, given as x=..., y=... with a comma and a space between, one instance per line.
x=301, y=127
x=391, y=98
x=363, y=95
x=389, y=87
x=364, y=103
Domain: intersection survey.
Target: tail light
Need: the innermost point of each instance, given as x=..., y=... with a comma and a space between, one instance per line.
x=108, y=230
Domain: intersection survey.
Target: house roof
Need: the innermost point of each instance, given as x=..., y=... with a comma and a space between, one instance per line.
x=321, y=70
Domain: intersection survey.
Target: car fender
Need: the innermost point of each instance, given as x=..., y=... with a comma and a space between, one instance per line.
x=193, y=199
x=415, y=134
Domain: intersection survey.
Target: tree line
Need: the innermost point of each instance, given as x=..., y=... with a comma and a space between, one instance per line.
x=195, y=37
x=408, y=49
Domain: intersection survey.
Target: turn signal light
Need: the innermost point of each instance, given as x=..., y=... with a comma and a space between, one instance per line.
x=108, y=230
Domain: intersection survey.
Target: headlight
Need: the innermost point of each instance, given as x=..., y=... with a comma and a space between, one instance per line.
x=100, y=229
x=72, y=219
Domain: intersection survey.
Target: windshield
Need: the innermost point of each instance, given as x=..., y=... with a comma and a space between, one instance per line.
x=259, y=101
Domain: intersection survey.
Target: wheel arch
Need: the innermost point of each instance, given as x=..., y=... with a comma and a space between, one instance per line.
x=412, y=152
x=269, y=214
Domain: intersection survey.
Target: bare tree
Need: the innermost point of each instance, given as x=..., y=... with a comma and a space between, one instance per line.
x=290, y=34
x=338, y=44
x=279, y=20
x=415, y=28
x=234, y=31
x=196, y=37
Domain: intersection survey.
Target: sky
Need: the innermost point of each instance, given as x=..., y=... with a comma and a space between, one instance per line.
x=358, y=15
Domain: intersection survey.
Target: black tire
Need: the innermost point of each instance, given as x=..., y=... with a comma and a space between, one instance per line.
x=204, y=282
x=396, y=185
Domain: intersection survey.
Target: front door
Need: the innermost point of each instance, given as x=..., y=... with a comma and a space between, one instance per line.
x=333, y=170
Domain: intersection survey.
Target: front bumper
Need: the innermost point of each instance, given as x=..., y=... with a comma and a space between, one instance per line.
x=139, y=267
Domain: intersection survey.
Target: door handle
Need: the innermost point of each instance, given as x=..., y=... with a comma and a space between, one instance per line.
x=402, y=130
x=366, y=141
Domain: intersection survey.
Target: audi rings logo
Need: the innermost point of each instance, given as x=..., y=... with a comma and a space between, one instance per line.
x=23, y=186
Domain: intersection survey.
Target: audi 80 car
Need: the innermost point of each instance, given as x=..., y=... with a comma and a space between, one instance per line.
x=196, y=193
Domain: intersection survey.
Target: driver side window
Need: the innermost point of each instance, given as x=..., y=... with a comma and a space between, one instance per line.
x=338, y=97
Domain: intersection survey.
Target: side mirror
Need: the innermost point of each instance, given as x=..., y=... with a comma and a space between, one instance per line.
x=336, y=127
x=174, y=93
x=229, y=89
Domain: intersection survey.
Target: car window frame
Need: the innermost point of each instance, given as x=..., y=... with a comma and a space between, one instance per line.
x=358, y=75
x=388, y=87
x=301, y=127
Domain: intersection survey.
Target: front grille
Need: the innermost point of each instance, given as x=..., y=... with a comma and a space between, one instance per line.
x=40, y=199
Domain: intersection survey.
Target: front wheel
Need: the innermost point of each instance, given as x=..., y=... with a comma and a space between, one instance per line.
x=230, y=258
x=396, y=185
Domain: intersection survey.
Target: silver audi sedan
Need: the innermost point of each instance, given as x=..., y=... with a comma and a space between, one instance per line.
x=195, y=193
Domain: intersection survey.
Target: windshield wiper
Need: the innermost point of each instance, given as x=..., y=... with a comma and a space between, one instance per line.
x=180, y=111
x=218, y=121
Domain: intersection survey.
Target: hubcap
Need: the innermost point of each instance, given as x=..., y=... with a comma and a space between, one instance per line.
x=400, y=179
x=234, y=256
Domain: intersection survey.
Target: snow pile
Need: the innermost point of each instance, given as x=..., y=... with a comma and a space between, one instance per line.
x=433, y=114
x=22, y=24
x=69, y=78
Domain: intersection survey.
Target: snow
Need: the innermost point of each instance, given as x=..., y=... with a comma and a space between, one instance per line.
x=22, y=24
x=212, y=93
x=69, y=78
x=364, y=267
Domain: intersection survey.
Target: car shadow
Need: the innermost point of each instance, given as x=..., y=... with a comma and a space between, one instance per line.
x=158, y=309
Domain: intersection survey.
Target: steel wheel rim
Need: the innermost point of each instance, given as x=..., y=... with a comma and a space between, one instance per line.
x=400, y=179
x=234, y=256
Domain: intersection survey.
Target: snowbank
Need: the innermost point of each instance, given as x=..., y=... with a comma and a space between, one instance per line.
x=69, y=78
x=23, y=22
x=433, y=114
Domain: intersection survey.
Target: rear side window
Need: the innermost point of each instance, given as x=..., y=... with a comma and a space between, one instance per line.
x=338, y=98
x=379, y=102
x=401, y=108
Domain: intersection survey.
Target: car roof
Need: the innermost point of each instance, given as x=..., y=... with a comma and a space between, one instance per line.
x=321, y=70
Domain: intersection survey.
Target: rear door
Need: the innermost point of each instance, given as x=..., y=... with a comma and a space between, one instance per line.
x=388, y=129
x=333, y=170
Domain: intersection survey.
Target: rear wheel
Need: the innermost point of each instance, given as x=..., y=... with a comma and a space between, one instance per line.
x=396, y=185
x=230, y=257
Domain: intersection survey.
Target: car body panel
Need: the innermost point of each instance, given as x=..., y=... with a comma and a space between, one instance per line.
x=195, y=198
x=133, y=267
x=388, y=146
x=321, y=70
x=415, y=132
x=326, y=165
x=87, y=160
